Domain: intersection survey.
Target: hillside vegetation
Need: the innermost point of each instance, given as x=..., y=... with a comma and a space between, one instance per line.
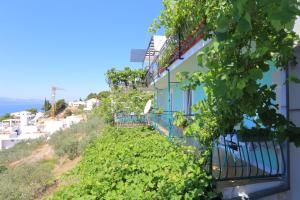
x=136, y=164
x=31, y=167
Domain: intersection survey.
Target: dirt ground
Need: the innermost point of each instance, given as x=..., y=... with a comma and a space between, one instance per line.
x=44, y=152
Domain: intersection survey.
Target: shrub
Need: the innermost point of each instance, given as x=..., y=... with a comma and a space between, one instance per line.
x=25, y=181
x=71, y=142
x=68, y=113
x=137, y=164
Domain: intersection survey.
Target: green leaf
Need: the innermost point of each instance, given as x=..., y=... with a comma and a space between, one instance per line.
x=244, y=25
x=255, y=74
x=276, y=24
x=222, y=24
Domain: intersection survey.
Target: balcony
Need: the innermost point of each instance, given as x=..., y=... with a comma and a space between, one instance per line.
x=173, y=49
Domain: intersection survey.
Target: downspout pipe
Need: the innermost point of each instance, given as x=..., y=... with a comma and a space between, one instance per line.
x=170, y=117
x=288, y=118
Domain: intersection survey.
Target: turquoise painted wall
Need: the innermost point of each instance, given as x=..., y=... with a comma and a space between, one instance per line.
x=198, y=94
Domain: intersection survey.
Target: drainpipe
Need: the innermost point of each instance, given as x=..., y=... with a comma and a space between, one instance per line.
x=155, y=106
x=287, y=88
x=169, y=104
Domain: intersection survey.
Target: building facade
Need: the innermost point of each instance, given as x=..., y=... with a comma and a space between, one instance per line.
x=242, y=167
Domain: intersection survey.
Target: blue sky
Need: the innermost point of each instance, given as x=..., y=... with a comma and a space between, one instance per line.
x=68, y=43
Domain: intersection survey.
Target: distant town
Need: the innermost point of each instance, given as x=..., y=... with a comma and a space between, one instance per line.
x=32, y=124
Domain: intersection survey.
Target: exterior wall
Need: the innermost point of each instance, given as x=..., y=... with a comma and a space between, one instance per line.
x=294, y=114
x=294, y=92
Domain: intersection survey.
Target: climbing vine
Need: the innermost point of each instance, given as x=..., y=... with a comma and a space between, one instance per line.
x=127, y=77
x=245, y=37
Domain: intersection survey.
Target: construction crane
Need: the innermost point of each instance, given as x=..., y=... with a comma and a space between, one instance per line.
x=53, y=95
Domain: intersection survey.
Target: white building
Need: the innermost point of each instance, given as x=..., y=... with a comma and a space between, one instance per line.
x=69, y=121
x=91, y=103
x=76, y=104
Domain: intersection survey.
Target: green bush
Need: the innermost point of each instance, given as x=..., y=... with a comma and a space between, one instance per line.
x=20, y=150
x=71, y=142
x=137, y=164
x=25, y=181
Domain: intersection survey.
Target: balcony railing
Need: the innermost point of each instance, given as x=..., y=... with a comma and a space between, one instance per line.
x=130, y=120
x=172, y=50
x=234, y=156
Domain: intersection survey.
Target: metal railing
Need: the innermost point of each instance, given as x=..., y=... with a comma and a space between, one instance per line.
x=172, y=50
x=129, y=120
x=237, y=157
x=234, y=156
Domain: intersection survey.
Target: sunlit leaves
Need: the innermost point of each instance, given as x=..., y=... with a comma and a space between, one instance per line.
x=247, y=35
x=137, y=163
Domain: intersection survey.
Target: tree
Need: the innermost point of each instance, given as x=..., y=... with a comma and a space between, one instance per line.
x=126, y=78
x=60, y=106
x=91, y=96
x=103, y=94
x=47, y=105
x=32, y=110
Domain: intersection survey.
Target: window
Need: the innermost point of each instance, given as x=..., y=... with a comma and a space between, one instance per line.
x=187, y=102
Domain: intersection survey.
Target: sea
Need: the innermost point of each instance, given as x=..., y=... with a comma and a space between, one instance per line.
x=9, y=106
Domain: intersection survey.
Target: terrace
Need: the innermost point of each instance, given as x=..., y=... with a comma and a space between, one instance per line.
x=174, y=48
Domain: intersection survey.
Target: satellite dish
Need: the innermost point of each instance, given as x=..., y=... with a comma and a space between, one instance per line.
x=147, y=107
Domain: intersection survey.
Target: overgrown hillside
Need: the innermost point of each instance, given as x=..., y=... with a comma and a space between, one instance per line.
x=136, y=163
x=30, y=168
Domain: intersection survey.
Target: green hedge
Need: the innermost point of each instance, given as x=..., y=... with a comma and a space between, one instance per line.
x=136, y=164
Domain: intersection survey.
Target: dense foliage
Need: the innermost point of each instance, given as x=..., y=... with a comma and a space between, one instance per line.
x=121, y=100
x=103, y=94
x=126, y=78
x=100, y=95
x=91, y=96
x=246, y=35
x=137, y=164
x=72, y=141
x=125, y=95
